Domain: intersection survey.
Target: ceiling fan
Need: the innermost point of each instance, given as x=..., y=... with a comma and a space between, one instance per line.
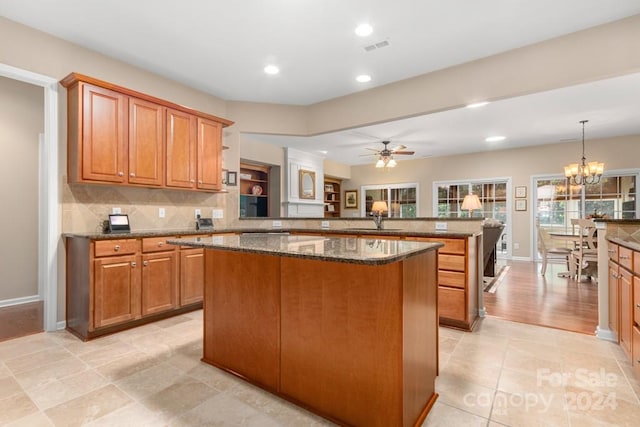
x=385, y=156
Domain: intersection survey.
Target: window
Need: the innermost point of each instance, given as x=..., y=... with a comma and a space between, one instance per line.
x=402, y=199
x=492, y=195
x=557, y=201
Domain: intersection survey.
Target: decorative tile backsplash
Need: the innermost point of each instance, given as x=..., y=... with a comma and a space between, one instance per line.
x=85, y=206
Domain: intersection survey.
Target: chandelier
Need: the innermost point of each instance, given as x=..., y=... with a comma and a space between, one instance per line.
x=583, y=172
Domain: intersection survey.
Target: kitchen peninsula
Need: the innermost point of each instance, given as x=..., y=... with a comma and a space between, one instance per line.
x=345, y=327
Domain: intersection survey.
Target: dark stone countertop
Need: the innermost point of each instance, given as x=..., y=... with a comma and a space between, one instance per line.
x=627, y=242
x=316, y=247
x=392, y=232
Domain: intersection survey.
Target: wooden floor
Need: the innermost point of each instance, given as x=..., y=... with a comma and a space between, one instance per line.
x=20, y=320
x=523, y=295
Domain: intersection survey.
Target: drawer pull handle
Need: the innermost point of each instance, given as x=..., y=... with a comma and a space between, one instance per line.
x=160, y=244
x=145, y=263
x=134, y=264
x=116, y=248
x=192, y=180
x=120, y=173
x=624, y=257
x=200, y=182
x=132, y=174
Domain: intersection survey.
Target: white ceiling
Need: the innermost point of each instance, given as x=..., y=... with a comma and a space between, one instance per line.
x=221, y=47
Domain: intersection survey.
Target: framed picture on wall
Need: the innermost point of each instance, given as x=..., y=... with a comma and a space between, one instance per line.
x=521, y=204
x=521, y=192
x=351, y=199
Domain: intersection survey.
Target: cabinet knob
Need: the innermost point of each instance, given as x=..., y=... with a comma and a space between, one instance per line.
x=160, y=244
x=134, y=264
x=121, y=173
x=200, y=182
x=637, y=305
x=132, y=174
x=145, y=263
x=116, y=248
x=192, y=180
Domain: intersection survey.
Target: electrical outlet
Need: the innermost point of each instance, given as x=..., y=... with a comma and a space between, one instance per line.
x=161, y=213
x=217, y=213
x=197, y=213
x=116, y=210
x=516, y=245
x=276, y=224
x=441, y=225
x=324, y=224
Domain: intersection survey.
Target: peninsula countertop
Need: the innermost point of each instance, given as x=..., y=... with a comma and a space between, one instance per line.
x=324, y=248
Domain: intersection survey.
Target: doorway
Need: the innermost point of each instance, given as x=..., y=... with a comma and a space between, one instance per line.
x=48, y=235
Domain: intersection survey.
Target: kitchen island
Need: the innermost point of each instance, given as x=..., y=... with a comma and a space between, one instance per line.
x=345, y=327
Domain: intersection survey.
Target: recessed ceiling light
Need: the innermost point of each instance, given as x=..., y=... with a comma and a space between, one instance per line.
x=477, y=104
x=363, y=78
x=271, y=69
x=495, y=138
x=364, y=30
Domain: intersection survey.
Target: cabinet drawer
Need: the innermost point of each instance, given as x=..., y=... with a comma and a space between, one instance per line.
x=451, y=303
x=635, y=354
x=115, y=247
x=156, y=244
x=451, y=278
x=612, y=251
x=636, y=301
x=451, y=262
x=625, y=257
x=452, y=246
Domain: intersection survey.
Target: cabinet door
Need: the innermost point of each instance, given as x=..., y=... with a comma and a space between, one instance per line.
x=626, y=311
x=191, y=276
x=146, y=143
x=104, y=128
x=209, y=155
x=159, y=282
x=181, y=149
x=116, y=290
x=613, y=299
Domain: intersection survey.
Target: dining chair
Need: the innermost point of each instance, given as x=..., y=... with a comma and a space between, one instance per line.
x=586, y=250
x=550, y=252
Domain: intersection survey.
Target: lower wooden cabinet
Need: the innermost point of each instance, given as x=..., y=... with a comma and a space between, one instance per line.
x=191, y=276
x=116, y=290
x=117, y=284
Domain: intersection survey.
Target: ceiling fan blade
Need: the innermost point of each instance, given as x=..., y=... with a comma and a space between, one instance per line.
x=399, y=148
x=370, y=154
x=372, y=149
x=404, y=152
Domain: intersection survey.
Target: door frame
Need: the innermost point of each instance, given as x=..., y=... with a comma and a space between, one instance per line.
x=48, y=193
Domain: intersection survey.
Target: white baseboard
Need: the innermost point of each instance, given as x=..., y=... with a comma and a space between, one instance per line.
x=18, y=301
x=606, y=334
x=521, y=258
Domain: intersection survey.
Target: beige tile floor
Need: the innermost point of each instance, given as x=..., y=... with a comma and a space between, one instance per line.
x=504, y=373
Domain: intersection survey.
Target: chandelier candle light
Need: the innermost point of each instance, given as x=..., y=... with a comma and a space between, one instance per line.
x=583, y=172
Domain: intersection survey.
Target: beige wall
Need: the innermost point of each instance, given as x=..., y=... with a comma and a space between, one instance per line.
x=605, y=51
x=21, y=122
x=519, y=164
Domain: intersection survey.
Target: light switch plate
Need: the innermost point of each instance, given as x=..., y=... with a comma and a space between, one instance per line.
x=441, y=225
x=197, y=213
x=324, y=224
x=161, y=213
x=276, y=224
x=217, y=213
x=116, y=210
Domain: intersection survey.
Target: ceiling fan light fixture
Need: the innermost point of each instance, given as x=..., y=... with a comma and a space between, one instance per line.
x=391, y=163
x=380, y=163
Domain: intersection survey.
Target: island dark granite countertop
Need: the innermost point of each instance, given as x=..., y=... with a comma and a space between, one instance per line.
x=190, y=232
x=337, y=249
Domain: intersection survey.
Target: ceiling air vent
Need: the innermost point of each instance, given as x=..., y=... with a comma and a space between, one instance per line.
x=378, y=45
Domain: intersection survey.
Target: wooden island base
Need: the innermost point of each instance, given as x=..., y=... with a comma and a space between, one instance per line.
x=355, y=343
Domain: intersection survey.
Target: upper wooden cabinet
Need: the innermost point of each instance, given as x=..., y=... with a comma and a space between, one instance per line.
x=181, y=149
x=119, y=136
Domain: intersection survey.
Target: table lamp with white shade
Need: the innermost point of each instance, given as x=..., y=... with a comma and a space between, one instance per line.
x=471, y=202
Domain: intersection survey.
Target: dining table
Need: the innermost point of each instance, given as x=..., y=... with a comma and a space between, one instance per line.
x=566, y=237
